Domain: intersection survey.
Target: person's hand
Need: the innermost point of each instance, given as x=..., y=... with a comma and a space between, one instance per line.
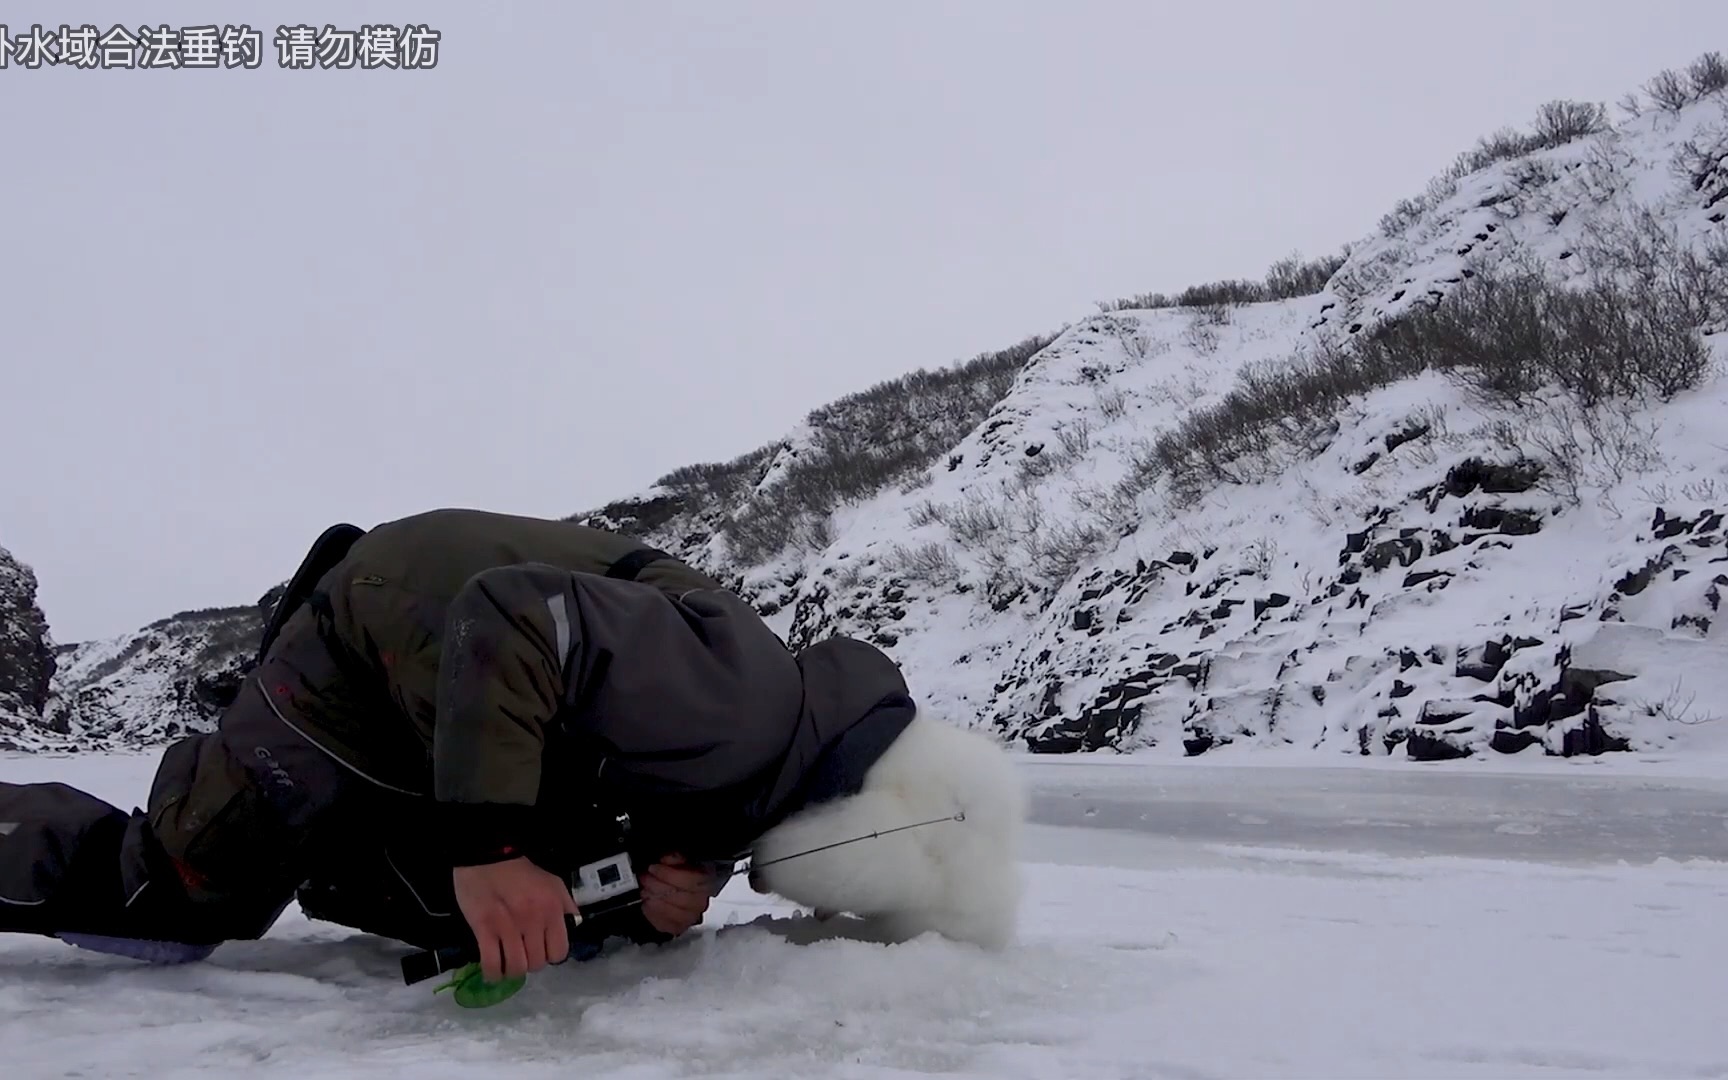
x=516, y=911
x=675, y=894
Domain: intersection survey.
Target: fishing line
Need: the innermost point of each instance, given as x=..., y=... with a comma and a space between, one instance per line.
x=754, y=865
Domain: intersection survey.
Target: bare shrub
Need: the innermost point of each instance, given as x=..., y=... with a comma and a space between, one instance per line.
x=1677, y=707
x=1132, y=338
x=1112, y=403
x=1674, y=90
x=1707, y=75
x=928, y=512
x=931, y=563
x=1212, y=314
x=976, y=519
x=1201, y=333
x=1221, y=294
x=1577, y=447
x=1557, y=123
x=1291, y=277
x=1669, y=90
x=1143, y=468
x=1036, y=467
x=1101, y=504
x=1651, y=257
x=1139, y=302
x=865, y=441
x=1509, y=336
x=1699, y=161
x=1398, y=220
x=1560, y=122
x=1075, y=438
x=1261, y=557
x=691, y=490
x=1018, y=544
x=1057, y=550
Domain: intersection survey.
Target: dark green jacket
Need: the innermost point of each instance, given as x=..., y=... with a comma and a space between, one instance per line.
x=509, y=676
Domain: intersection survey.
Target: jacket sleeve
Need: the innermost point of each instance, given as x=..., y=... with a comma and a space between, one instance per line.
x=505, y=669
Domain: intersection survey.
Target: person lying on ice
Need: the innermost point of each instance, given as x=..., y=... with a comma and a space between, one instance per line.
x=453, y=709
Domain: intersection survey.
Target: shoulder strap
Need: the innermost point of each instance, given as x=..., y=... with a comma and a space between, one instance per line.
x=330, y=548
x=632, y=563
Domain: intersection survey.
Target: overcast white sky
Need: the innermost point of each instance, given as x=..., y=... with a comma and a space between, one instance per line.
x=599, y=241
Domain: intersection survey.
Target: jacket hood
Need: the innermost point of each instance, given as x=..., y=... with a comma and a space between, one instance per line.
x=856, y=703
x=852, y=703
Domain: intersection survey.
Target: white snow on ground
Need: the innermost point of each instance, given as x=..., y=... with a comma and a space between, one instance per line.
x=1183, y=921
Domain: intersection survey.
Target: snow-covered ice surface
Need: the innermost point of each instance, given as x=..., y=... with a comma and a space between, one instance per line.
x=1182, y=920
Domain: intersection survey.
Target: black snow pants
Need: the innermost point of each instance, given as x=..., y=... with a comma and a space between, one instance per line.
x=236, y=821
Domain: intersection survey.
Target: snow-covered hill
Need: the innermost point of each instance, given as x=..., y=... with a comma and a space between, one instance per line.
x=173, y=676
x=1422, y=570
x=1340, y=520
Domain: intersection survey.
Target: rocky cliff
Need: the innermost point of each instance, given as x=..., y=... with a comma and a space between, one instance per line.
x=27, y=660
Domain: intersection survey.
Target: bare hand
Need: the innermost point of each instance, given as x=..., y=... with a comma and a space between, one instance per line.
x=516, y=911
x=675, y=895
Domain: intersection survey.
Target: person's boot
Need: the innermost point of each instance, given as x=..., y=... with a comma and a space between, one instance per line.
x=153, y=924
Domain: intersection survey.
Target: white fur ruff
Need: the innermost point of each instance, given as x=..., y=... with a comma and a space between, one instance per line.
x=959, y=879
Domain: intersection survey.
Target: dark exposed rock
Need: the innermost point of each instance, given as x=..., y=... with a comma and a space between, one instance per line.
x=1663, y=527
x=1428, y=745
x=1222, y=611
x=1698, y=623
x=1441, y=712
x=1276, y=600
x=1502, y=479
x=1408, y=434
x=1404, y=551
x=1512, y=740
x=1484, y=662
x=1194, y=672
x=1591, y=739
x=27, y=659
x=1571, y=695
x=1639, y=580
x=1502, y=520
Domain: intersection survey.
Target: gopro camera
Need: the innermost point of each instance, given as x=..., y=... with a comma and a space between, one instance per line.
x=607, y=884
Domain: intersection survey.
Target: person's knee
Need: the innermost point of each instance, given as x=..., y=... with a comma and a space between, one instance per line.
x=216, y=831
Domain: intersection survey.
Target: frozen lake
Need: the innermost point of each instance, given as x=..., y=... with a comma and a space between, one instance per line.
x=1568, y=813
x=1182, y=920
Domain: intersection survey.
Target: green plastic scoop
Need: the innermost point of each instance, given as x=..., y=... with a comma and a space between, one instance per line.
x=472, y=991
